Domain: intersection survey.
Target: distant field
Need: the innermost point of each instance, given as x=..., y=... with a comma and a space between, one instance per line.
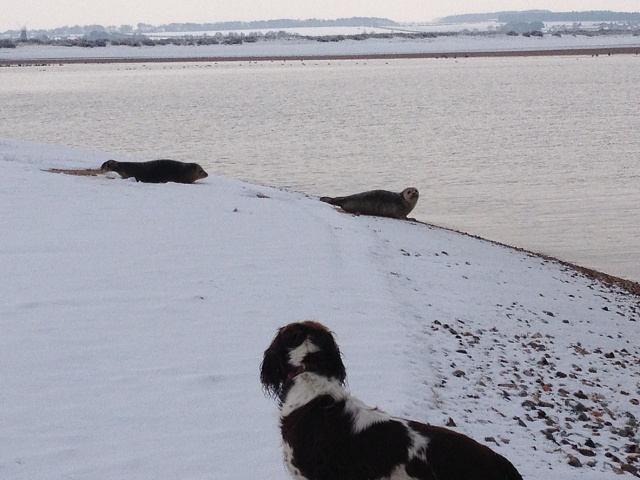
x=405, y=28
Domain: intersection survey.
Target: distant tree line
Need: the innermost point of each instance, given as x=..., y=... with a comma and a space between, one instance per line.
x=99, y=39
x=522, y=27
x=144, y=28
x=544, y=16
x=281, y=23
x=591, y=16
x=98, y=36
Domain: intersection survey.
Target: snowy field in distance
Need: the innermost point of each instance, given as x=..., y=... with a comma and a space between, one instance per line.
x=296, y=47
x=304, y=31
x=134, y=317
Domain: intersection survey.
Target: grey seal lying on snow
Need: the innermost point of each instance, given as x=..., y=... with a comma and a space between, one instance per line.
x=381, y=203
x=157, y=171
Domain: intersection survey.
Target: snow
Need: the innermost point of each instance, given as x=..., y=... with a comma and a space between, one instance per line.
x=294, y=47
x=134, y=317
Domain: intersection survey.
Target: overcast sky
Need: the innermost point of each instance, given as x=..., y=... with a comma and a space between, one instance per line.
x=45, y=14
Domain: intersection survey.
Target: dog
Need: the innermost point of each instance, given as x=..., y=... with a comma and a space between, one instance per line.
x=327, y=434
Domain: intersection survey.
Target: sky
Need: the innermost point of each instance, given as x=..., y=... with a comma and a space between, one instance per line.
x=46, y=14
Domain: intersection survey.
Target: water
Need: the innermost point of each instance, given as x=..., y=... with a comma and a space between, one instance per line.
x=537, y=152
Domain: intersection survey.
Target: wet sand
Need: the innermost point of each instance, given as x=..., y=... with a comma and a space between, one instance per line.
x=634, y=50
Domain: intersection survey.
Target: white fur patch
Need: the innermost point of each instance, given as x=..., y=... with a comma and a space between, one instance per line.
x=308, y=386
x=399, y=473
x=298, y=354
x=419, y=444
x=362, y=416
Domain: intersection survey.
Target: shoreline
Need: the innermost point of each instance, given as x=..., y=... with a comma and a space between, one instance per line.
x=587, y=51
x=629, y=286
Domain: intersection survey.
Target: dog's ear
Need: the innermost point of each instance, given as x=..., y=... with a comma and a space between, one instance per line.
x=274, y=367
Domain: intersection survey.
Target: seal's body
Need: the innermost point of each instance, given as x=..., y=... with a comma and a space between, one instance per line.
x=157, y=171
x=381, y=203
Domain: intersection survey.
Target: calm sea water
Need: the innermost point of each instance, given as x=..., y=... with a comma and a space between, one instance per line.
x=539, y=152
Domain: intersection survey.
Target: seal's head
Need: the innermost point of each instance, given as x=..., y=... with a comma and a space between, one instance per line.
x=411, y=195
x=109, y=165
x=197, y=171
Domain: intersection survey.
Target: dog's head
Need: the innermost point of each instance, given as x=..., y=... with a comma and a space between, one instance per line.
x=300, y=347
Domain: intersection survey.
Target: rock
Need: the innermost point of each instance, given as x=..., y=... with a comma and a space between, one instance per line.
x=626, y=467
x=491, y=439
x=573, y=461
x=581, y=395
x=586, y=452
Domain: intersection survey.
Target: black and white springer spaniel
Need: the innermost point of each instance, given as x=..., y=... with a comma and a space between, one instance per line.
x=329, y=435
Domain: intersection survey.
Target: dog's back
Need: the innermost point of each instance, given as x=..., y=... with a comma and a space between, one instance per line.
x=342, y=439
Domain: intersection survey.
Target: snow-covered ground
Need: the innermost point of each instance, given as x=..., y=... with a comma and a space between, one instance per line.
x=134, y=317
x=296, y=47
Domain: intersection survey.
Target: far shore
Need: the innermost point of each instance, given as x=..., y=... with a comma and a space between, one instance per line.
x=632, y=50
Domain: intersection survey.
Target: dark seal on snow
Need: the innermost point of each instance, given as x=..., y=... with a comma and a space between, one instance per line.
x=381, y=203
x=157, y=171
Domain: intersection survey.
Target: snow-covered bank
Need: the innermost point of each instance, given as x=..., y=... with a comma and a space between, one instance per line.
x=293, y=47
x=134, y=317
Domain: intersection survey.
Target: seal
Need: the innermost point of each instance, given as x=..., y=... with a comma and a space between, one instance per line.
x=380, y=203
x=157, y=171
